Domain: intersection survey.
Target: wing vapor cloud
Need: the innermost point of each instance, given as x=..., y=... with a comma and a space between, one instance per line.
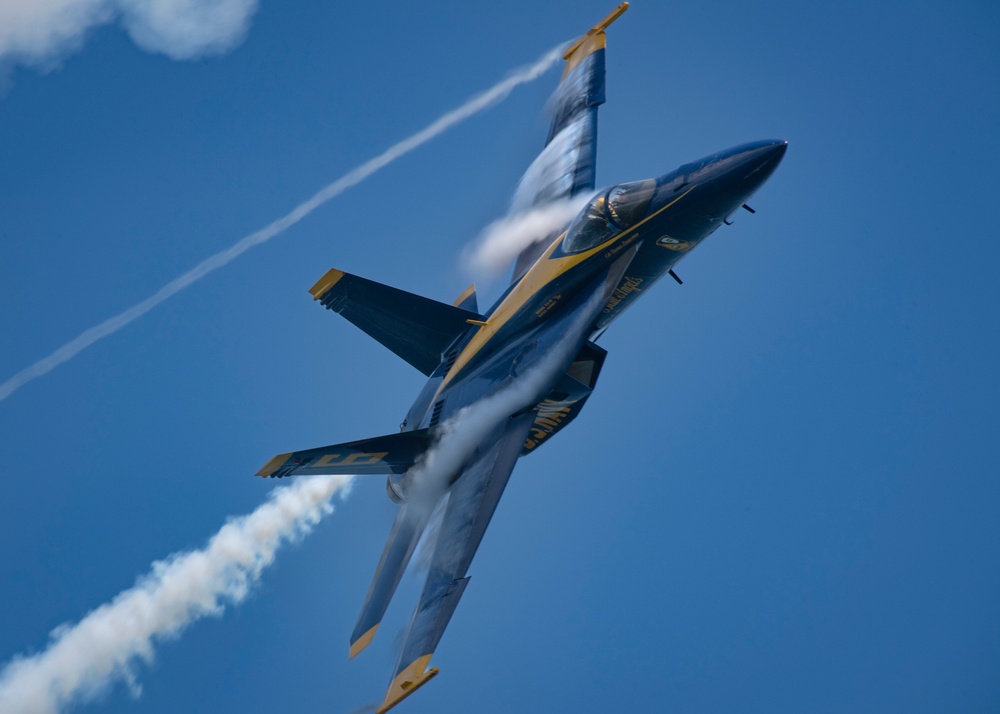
x=84, y=660
x=501, y=241
x=90, y=336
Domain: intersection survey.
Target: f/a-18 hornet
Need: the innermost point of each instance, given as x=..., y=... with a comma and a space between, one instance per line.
x=536, y=344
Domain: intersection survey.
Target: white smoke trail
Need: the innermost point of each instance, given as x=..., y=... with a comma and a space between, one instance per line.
x=501, y=241
x=84, y=659
x=87, y=338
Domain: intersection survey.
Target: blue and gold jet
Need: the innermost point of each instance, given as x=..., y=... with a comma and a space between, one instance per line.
x=566, y=290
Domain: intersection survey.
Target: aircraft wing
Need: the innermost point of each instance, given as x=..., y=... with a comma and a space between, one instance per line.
x=567, y=165
x=406, y=531
x=471, y=503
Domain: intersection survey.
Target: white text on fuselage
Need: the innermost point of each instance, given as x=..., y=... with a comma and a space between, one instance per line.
x=614, y=250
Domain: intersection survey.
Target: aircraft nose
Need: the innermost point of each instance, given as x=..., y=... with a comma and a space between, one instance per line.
x=765, y=159
x=741, y=171
x=724, y=181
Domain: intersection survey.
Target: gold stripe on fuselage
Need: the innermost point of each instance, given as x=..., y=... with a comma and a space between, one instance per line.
x=544, y=271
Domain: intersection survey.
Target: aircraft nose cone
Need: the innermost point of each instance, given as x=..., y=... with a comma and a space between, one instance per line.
x=768, y=157
x=728, y=179
x=747, y=167
x=715, y=186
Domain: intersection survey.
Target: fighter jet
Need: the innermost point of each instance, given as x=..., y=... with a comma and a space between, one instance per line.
x=564, y=293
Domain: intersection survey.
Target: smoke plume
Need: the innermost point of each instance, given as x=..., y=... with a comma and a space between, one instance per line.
x=84, y=659
x=88, y=337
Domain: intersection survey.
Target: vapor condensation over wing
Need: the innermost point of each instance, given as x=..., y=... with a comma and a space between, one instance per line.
x=500, y=242
x=88, y=337
x=86, y=658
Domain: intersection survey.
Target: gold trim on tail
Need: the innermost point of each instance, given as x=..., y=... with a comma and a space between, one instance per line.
x=461, y=298
x=328, y=280
x=271, y=466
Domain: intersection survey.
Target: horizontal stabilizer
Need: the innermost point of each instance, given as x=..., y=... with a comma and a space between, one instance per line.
x=392, y=454
x=416, y=328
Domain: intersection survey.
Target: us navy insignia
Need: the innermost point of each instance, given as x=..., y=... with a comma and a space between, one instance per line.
x=671, y=243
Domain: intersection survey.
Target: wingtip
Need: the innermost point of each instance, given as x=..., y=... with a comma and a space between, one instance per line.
x=578, y=47
x=412, y=678
x=363, y=641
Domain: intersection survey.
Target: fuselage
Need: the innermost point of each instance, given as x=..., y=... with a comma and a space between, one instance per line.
x=622, y=242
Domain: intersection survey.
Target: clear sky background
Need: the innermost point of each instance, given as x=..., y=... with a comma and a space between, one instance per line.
x=783, y=495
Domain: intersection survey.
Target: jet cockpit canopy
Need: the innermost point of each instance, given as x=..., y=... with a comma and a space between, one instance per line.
x=619, y=208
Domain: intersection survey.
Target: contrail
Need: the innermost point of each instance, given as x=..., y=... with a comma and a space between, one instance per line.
x=86, y=658
x=476, y=104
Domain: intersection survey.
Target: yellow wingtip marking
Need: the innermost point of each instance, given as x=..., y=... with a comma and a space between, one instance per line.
x=328, y=280
x=461, y=298
x=271, y=466
x=592, y=41
x=407, y=682
x=363, y=641
x=481, y=323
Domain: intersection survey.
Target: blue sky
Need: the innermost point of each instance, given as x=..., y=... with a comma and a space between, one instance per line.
x=782, y=495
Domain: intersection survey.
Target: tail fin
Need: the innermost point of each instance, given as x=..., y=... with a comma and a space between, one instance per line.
x=467, y=300
x=416, y=328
